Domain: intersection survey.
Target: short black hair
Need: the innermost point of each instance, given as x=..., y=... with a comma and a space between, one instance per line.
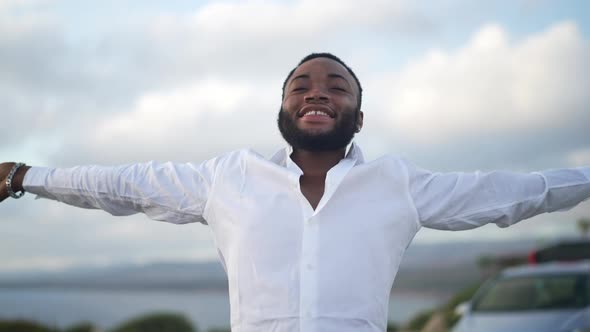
x=328, y=56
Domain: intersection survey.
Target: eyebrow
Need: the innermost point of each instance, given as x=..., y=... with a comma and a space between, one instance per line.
x=337, y=76
x=299, y=77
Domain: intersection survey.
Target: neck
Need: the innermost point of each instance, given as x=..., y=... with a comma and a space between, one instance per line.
x=317, y=163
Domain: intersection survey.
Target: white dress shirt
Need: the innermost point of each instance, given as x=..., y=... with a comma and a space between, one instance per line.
x=293, y=268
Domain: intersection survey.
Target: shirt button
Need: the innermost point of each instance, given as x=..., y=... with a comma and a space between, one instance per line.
x=309, y=267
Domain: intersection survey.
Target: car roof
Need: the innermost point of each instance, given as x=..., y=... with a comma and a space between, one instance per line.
x=556, y=268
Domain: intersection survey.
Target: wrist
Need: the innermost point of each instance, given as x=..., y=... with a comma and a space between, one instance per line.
x=14, y=180
x=18, y=179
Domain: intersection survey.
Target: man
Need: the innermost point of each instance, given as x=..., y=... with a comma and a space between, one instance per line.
x=311, y=239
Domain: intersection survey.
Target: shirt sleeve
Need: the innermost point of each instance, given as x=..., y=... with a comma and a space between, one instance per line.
x=459, y=201
x=170, y=192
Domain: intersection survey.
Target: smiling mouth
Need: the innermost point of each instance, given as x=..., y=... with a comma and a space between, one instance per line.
x=316, y=112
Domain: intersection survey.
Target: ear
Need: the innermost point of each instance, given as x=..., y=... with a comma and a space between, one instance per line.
x=359, y=121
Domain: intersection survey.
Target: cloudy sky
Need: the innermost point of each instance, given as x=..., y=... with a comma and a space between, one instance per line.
x=450, y=85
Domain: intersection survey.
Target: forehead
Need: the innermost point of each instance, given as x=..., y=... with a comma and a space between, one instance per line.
x=321, y=68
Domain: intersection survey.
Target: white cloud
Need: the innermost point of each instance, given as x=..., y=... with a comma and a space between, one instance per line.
x=78, y=90
x=579, y=158
x=187, y=123
x=493, y=85
x=8, y=5
x=158, y=115
x=263, y=20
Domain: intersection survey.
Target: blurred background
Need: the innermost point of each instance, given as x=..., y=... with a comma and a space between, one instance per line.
x=451, y=85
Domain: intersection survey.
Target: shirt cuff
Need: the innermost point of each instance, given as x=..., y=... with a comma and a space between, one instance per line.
x=35, y=178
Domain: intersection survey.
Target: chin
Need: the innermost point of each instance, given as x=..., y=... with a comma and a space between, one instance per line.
x=316, y=131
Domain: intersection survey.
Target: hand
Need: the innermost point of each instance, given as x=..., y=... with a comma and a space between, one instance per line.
x=17, y=180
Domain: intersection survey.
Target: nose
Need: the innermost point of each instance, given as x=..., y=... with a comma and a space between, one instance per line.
x=316, y=96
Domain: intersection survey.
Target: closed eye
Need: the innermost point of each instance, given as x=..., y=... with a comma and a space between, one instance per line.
x=339, y=89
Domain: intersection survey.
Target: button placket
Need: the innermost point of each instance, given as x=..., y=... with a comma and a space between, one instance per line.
x=308, y=273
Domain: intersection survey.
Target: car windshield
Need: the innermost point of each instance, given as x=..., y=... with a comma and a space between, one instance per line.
x=534, y=293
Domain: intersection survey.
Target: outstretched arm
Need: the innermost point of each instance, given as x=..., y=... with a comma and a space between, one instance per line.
x=169, y=192
x=458, y=201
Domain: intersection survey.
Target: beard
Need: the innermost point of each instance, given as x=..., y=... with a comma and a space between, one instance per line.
x=337, y=138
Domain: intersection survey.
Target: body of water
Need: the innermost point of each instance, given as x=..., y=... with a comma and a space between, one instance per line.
x=106, y=309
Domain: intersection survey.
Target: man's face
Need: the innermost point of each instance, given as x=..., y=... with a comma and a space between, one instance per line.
x=320, y=107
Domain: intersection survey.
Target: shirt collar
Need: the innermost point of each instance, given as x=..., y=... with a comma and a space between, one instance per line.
x=281, y=157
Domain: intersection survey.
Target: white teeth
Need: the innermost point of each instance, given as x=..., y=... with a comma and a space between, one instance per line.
x=316, y=113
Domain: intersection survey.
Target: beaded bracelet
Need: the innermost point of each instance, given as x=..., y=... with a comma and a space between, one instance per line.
x=13, y=171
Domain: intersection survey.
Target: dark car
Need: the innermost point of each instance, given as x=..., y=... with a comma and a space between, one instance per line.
x=535, y=298
x=562, y=250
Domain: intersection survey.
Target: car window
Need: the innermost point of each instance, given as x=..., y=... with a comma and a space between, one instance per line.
x=534, y=293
